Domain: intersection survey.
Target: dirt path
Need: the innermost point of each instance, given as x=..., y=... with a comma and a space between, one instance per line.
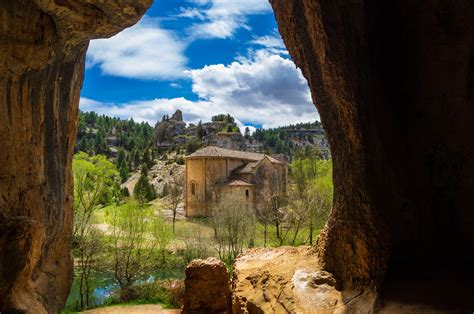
x=132, y=309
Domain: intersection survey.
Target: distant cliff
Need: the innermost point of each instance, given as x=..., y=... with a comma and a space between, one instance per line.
x=173, y=133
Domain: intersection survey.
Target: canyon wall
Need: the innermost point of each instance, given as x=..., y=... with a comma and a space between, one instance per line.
x=393, y=82
x=42, y=48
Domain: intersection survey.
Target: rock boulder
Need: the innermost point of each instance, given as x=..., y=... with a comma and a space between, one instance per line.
x=206, y=287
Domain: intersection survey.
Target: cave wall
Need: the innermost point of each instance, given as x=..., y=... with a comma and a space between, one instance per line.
x=393, y=82
x=42, y=48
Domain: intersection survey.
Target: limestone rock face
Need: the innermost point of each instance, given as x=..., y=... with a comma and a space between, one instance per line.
x=206, y=287
x=289, y=280
x=393, y=82
x=42, y=55
x=177, y=116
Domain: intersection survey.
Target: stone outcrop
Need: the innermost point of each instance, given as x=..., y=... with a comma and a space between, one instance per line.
x=177, y=116
x=206, y=287
x=161, y=175
x=393, y=82
x=228, y=140
x=170, y=131
x=42, y=48
x=289, y=280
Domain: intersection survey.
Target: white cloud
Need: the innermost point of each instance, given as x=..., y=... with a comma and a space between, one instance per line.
x=265, y=90
x=269, y=42
x=144, y=51
x=223, y=17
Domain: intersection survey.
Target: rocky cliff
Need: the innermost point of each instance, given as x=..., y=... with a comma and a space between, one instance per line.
x=42, y=53
x=393, y=82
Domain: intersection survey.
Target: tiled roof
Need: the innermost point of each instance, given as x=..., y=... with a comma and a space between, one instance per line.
x=212, y=151
x=247, y=168
x=240, y=182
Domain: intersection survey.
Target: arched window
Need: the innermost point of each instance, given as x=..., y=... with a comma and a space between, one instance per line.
x=193, y=188
x=247, y=193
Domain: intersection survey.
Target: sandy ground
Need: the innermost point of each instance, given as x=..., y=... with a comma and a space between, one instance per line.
x=132, y=309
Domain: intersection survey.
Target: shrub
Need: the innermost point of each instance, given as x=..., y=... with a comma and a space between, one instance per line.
x=180, y=160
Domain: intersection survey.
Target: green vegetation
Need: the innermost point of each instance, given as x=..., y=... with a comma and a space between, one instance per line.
x=311, y=194
x=290, y=139
x=229, y=121
x=128, y=142
x=95, y=183
x=131, y=247
x=143, y=190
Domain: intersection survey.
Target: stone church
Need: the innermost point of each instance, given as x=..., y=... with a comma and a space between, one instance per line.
x=215, y=174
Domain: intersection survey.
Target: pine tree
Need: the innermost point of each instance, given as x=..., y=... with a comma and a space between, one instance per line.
x=143, y=190
x=200, y=130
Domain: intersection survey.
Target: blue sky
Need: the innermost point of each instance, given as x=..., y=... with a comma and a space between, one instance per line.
x=204, y=57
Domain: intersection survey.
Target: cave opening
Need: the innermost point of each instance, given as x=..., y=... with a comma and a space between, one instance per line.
x=393, y=84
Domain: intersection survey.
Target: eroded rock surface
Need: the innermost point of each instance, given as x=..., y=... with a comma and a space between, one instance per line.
x=206, y=287
x=42, y=50
x=289, y=280
x=393, y=82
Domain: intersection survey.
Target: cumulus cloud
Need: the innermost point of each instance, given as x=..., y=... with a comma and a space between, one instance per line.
x=265, y=90
x=153, y=110
x=144, y=51
x=222, y=18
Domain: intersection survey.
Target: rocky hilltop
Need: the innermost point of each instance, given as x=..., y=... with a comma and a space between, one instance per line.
x=173, y=133
x=222, y=131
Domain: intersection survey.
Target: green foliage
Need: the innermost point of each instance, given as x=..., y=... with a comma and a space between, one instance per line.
x=192, y=146
x=312, y=200
x=223, y=118
x=247, y=133
x=96, y=134
x=95, y=183
x=234, y=226
x=143, y=190
x=134, y=240
x=200, y=130
x=180, y=160
x=282, y=140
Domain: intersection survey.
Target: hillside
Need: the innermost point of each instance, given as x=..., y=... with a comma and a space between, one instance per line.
x=174, y=134
x=130, y=144
x=292, y=140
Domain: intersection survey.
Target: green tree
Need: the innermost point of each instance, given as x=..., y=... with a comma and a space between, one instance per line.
x=247, y=133
x=312, y=200
x=234, y=226
x=192, y=145
x=200, y=132
x=143, y=190
x=134, y=239
x=94, y=177
x=175, y=190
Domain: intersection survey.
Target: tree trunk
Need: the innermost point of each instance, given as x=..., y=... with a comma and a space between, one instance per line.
x=174, y=221
x=265, y=236
x=277, y=226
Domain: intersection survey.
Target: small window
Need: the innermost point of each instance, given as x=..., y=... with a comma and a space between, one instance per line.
x=247, y=193
x=193, y=188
